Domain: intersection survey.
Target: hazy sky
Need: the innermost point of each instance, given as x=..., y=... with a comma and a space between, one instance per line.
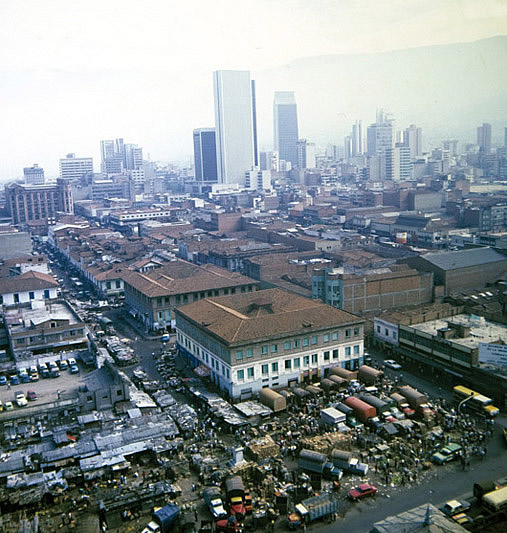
x=74, y=72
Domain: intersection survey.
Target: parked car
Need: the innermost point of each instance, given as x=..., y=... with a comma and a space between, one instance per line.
x=43, y=371
x=31, y=395
x=63, y=365
x=74, y=369
x=362, y=491
x=3, y=380
x=14, y=380
x=71, y=361
x=8, y=406
x=453, y=507
x=446, y=454
x=34, y=376
x=20, y=399
x=392, y=364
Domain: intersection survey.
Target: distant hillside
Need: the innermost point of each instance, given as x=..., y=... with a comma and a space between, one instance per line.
x=447, y=89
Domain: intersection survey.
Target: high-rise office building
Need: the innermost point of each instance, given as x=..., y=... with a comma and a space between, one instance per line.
x=34, y=175
x=398, y=163
x=117, y=156
x=306, y=154
x=133, y=156
x=205, y=154
x=412, y=137
x=379, y=136
x=451, y=145
x=357, y=138
x=285, y=126
x=234, y=121
x=74, y=168
x=484, y=138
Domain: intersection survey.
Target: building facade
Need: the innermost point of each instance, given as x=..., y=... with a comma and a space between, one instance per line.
x=152, y=296
x=306, y=154
x=205, y=154
x=27, y=287
x=234, y=122
x=285, y=125
x=270, y=338
x=36, y=203
x=34, y=175
x=75, y=168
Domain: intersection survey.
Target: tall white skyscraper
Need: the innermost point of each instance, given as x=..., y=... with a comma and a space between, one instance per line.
x=413, y=139
x=235, y=125
x=379, y=136
x=285, y=126
x=74, y=168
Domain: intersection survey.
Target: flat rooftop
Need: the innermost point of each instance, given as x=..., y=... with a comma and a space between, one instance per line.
x=481, y=330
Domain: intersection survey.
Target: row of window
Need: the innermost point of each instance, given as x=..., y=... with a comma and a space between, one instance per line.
x=48, y=337
x=297, y=343
x=31, y=295
x=184, y=298
x=386, y=332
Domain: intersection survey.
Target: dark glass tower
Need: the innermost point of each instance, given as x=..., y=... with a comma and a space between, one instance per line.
x=205, y=154
x=285, y=124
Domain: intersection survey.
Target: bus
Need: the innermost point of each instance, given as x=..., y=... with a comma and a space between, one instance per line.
x=478, y=402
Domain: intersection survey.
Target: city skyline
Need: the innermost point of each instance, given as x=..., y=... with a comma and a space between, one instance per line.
x=49, y=73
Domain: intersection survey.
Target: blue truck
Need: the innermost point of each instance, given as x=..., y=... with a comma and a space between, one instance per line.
x=318, y=463
x=163, y=519
x=312, y=509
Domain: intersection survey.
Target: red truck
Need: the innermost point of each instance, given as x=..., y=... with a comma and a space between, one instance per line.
x=362, y=410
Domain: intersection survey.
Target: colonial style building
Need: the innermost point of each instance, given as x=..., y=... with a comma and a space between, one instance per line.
x=152, y=296
x=270, y=338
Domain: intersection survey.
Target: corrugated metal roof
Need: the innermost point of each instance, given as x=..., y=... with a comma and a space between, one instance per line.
x=464, y=258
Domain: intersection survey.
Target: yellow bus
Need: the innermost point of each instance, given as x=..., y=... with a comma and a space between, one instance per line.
x=478, y=402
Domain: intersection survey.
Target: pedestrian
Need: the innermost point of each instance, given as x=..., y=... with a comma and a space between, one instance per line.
x=63, y=518
x=69, y=518
x=195, y=515
x=8, y=386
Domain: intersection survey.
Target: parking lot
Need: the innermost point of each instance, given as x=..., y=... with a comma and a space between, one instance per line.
x=47, y=390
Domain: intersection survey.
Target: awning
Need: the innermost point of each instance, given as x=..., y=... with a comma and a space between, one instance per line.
x=202, y=371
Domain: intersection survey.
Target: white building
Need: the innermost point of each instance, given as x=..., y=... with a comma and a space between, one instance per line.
x=74, y=168
x=306, y=154
x=235, y=125
x=270, y=338
x=27, y=287
x=258, y=180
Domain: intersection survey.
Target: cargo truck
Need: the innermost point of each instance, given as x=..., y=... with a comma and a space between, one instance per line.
x=362, y=410
x=318, y=463
x=349, y=375
x=348, y=463
x=163, y=519
x=270, y=398
x=380, y=405
x=332, y=417
x=369, y=375
x=414, y=398
x=235, y=493
x=213, y=500
x=312, y=509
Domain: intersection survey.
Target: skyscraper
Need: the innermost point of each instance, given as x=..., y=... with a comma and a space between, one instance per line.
x=484, y=138
x=397, y=162
x=34, y=175
x=306, y=154
x=205, y=154
x=357, y=138
x=412, y=138
x=285, y=126
x=379, y=134
x=74, y=168
x=234, y=121
x=133, y=156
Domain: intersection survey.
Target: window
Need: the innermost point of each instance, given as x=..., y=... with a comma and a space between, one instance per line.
x=286, y=345
x=288, y=364
x=31, y=295
x=178, y=299
x=239, y=355
x=394, y=334
x=326, y=356
x=241, y=375
x=314, y=339
x=378, y=329
x=356, y=349
x=326, y=337
x=386, y=332
x=108, y=285
x=159, y=302
x=335, y=335
x=274, y=367
x=89, y=398
x=264, y=349
x=250, y=372
x=16, y=298
x=297, y=362
x=335, y=354
x=249, y=353
x=265, y=370
x=356, y=332
x=118, y=284
x=347, y=350
x=119, y=392
x=72, y=332
x=297, y=343
x=315, y=358
x=185, y=298
x=20, y=341
x=166, y=300
x=347, y=332
x=306, y=341
x=274, y=348
x=306, y=360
